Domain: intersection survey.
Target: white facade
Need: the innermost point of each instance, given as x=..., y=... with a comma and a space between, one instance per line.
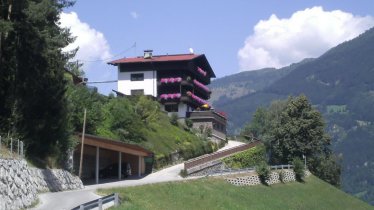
x=148, y=85
x=182, y=110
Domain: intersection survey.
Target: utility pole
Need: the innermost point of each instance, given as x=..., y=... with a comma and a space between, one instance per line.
x=82, y=143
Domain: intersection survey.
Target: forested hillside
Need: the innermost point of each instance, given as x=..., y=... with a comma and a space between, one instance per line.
x=340, y=84
x=246, y=82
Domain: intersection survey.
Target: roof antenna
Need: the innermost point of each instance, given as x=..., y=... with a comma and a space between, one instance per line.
x=191, y=50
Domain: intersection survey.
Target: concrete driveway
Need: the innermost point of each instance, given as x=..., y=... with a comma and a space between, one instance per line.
x=70, y=199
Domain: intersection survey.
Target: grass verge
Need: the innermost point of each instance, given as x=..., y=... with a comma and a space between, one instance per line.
x=214, y=193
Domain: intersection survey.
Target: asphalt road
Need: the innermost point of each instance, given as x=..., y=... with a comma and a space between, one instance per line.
x=70, y=199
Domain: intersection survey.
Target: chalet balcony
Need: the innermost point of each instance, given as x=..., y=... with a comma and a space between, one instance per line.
x=188, y=98
x=209, y=114
x=211, y=119
x=179, y=80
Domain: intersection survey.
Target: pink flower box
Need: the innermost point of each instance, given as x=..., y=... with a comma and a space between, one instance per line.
x=202, y=86
x=170, y=80
x=197, y=99
x=201, y=71
x=170, y=96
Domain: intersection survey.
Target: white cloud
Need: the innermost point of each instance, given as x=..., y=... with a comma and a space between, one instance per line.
x=92, y=43
x=92, y=47
x=134, y=15
x=308, y=33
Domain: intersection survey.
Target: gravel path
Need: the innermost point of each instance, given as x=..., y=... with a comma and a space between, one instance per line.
x=70, y=199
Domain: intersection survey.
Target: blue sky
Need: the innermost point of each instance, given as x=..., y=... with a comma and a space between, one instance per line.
x=234, y=35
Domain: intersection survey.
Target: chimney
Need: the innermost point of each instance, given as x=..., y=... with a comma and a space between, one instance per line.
x=148, y=54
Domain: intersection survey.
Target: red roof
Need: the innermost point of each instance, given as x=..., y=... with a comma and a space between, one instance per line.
x=156, y=58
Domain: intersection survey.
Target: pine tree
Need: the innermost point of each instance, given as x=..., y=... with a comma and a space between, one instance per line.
x=32, y=68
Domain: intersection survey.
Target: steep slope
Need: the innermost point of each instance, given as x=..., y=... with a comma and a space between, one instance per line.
x=216, y=193
x=340, y=84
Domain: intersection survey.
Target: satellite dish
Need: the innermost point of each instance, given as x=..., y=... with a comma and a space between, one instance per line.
x=191, y=50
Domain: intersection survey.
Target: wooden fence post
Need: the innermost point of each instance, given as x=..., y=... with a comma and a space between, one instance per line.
x=18, y=147
x=11, y=147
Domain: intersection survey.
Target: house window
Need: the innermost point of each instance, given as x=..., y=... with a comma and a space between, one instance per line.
x=137, y=77
x=137, y=92
x=171, y=107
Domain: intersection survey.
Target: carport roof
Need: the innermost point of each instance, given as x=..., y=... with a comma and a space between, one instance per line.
x=114, y=145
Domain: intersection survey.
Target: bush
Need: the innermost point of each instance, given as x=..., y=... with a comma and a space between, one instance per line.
x=263, y=172
x=183, y=173
x=282, y=175
x=298, y=168
x=247, y=158
x=188, y=122
x=174, y=119
x=326, y=168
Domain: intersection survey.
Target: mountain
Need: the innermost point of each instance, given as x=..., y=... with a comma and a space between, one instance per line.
x=246, y=82
x=340, y=83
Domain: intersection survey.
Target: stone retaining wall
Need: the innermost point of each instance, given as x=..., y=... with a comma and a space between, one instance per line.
x=288, y=176
x=208, y=170
x=20, y=184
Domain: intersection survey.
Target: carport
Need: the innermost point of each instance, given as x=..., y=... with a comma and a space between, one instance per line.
x=99, y=152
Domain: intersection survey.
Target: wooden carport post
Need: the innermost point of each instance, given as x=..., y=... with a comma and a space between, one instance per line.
x=119, y=165
x=97, y=164
x=139, y=166
x=82, y=144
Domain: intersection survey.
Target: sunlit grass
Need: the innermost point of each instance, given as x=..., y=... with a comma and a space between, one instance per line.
x=214, y=193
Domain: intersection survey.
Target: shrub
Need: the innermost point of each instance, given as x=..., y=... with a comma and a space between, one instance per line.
x=282, y=175
x=208, y=131
x=263, y=171
x=188, y=122
x=247, y=158
x=298, y=168
x=174, y=119
x=183, y=173
x=327, y=168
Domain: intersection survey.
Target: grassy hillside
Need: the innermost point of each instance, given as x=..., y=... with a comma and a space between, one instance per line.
x=215, y=193
x=163, y=138
x=135, y=120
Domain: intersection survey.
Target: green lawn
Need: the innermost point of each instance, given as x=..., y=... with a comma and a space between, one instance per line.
x=214, y=193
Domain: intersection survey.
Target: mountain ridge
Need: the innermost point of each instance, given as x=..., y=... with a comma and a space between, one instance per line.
x=340, y=84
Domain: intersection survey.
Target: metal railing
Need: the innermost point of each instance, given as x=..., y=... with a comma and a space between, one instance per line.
x=229, y=171
x=11, y=148
x=99, y=203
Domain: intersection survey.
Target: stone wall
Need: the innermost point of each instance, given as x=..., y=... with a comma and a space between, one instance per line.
x=288, y=176
x=20, y=184
x=208, y=170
